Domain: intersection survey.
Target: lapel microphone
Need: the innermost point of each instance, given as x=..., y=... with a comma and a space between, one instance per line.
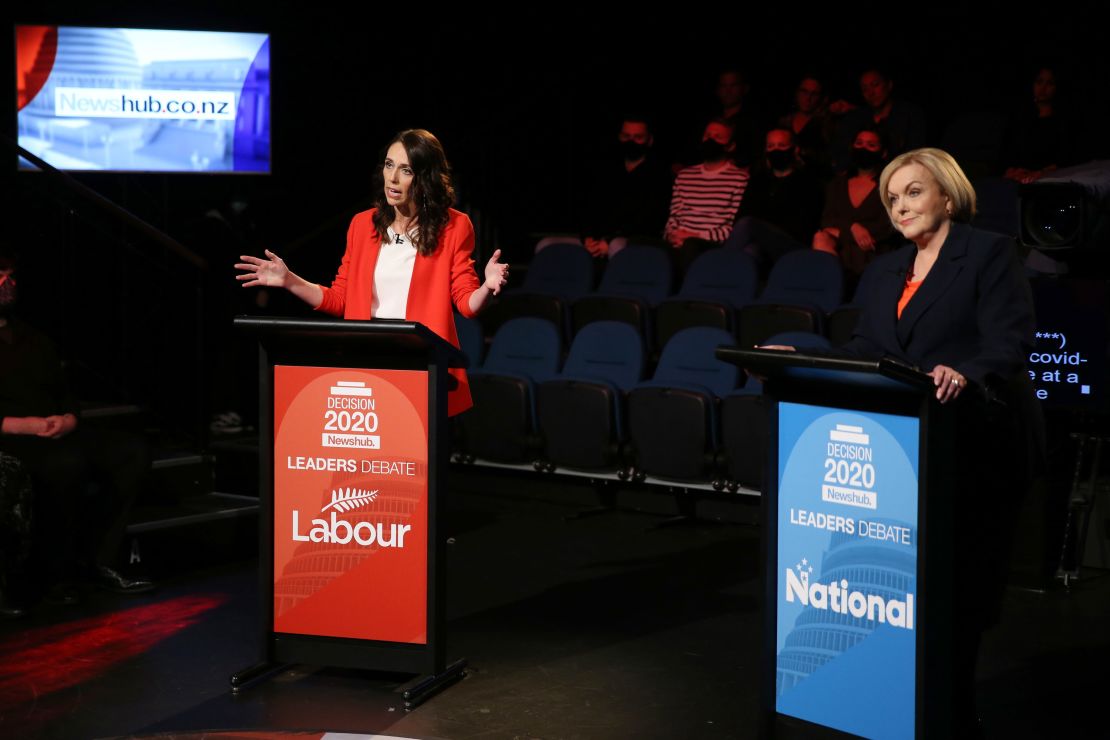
x=399, y=239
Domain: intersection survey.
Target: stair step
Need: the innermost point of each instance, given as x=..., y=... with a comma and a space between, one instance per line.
x=193, y=510
x=194, y=533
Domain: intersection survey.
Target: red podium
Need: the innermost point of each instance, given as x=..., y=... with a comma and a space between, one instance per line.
x=353, y=418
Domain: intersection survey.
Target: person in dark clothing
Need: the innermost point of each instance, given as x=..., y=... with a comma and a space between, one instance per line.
x=780, y=206
x=855, y=225
x=901, y=123
x=812, y=126
x=955, y=303
x=631, y=197
x=736, y=108
x=782, y=192
x=39, y=425
x=1041, y=137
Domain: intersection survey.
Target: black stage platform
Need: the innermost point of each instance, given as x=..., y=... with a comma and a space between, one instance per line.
x=601, y=627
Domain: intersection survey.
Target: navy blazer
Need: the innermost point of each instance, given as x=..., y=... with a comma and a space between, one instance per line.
x=973, y=312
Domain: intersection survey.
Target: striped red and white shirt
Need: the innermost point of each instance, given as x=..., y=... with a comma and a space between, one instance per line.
x=705, y=201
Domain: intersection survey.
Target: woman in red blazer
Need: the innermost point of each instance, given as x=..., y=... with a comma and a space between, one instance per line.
x=408, y=258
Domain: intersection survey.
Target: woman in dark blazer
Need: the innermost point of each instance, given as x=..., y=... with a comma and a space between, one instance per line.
x=955, y=303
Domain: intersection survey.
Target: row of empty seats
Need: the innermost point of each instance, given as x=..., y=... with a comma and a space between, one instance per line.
x=803, y=292
x=693, y=419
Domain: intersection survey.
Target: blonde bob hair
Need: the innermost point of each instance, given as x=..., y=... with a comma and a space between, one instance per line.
x=944, y=169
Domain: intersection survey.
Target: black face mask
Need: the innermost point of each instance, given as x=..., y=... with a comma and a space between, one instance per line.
x=712, y=151
x=780, y=159
x=632, y=151
x=865, y=159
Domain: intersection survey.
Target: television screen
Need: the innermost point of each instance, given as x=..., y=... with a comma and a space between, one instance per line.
x=126, y=99
x=1071, y=355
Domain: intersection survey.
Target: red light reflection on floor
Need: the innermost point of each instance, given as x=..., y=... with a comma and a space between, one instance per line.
x=43, y=660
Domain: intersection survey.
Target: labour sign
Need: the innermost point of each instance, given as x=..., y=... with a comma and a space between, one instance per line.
x=351, y=503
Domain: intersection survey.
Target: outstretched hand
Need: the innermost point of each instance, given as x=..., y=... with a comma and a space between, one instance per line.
x=496, y=274
x=270, y=272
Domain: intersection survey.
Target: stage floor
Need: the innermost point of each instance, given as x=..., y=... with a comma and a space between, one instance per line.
x=602, y=627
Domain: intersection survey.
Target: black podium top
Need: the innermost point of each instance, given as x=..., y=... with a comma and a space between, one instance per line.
x=397, y=334
x=825, y=370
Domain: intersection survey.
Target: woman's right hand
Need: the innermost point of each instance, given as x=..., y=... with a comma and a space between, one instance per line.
x=270, y=272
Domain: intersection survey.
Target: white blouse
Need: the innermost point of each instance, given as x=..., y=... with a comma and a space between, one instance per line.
x=393, y=276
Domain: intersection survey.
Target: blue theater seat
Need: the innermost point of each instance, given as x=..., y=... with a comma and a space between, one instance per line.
x=842, y=320
x=672, y=419
x=471, y=341
x=557, y=276
x=803, y=287
x=744, y=422
x=502, y=425
x=636, y=279
x=581, y=412
x=717, y=284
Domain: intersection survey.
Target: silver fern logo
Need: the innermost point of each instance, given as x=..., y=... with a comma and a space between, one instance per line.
x=349, y=499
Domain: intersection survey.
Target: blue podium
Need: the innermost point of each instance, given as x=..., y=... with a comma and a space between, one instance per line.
x=857, y=514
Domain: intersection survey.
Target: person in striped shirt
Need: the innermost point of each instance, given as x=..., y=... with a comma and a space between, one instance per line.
x=706, y=196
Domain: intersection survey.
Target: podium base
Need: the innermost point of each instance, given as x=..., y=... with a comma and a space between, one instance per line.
x=424, y=688
x=255, y=672
x=429, y=686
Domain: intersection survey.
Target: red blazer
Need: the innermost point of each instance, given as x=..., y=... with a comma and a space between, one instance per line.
x=443, y=278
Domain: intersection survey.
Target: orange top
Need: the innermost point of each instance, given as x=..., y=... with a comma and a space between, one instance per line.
x=907, y=293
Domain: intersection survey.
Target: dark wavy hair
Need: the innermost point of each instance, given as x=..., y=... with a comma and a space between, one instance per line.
x=432, y=190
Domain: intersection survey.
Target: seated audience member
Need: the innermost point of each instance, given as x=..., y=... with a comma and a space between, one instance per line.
x=738, y=111
x=781, y=191
x=732, y=104
x=855, y=224
x=707, y=196
x=39, y=425
x=901, y=124
x=811, y=125
x=630, y=197
x=1040, y=136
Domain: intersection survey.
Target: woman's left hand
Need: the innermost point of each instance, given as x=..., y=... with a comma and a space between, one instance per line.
x=949, y=383
x=863, y=238
x=497, y=273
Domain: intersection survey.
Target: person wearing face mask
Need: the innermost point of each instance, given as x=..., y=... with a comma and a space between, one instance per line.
x=407, y=258
x=706, y=196
x=783, y=194
x=72, y=535
x=855, y=225
x=630, y=197
x=901, y=122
